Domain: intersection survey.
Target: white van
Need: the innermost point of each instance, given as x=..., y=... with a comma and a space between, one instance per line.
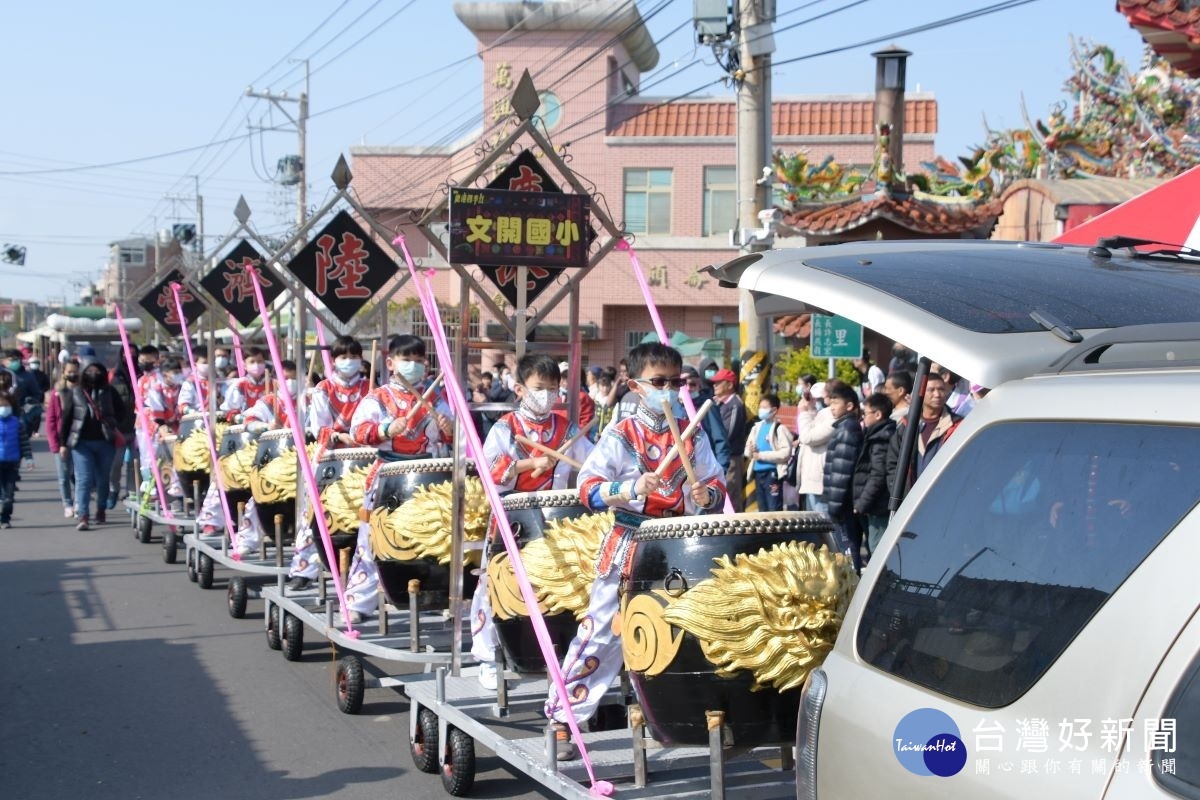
x=1028, y=626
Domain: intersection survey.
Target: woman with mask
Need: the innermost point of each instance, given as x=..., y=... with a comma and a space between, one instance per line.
x=54, y=415
x=245, y=392
x=768, y=447
x=89, y=431
x=382, y=421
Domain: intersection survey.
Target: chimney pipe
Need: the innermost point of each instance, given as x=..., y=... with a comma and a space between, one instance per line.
x=890, y=64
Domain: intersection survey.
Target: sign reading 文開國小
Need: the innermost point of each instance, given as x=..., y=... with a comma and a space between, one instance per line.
x=505, y=228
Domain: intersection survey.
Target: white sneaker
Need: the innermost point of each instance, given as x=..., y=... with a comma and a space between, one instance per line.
x=69, y=512
x=487, y=676
x=354, y=617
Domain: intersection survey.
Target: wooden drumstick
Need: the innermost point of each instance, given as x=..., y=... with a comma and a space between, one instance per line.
x=683, y=456
x=425, y=399
x=371, y=375
x=568, y=444
x=688, y=433
x=548, y=451
x=312, y=365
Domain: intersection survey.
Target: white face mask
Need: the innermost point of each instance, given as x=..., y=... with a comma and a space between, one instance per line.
x=411, y=371
x=201, y=370
x=347, y=367
x=538, y=402
x=290, y=383
x=256, y=369
x=222, y=362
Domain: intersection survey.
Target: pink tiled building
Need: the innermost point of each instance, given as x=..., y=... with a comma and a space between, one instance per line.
x=665, y=171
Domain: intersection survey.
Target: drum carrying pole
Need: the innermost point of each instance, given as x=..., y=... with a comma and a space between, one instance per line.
x=459, y=487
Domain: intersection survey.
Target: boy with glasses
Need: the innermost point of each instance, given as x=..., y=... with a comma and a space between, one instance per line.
x=620, y=475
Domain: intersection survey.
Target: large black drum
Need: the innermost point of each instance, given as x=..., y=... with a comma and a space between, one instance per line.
x=341, y=478
x=235, y=457
x=413, y=542
x=192, y=458
x=729, y=613
x=559, y=538
x=273, y=480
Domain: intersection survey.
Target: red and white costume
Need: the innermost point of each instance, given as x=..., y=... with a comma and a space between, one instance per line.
x=241, y=395
x=503, y=451
x=191, y=403
x=421, y=439
x=628, y=448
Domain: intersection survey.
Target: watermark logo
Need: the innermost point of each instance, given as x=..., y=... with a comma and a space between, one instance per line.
x=927, y=742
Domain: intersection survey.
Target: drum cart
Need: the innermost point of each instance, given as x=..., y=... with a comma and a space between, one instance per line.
x=205, y=551
x=144, y=514
x=449, y=715
x=411, y=637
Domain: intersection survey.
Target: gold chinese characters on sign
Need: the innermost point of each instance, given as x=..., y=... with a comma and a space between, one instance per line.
x=503, y=79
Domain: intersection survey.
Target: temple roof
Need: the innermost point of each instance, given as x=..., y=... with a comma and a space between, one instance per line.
x=923, y=214
x=1171, y=27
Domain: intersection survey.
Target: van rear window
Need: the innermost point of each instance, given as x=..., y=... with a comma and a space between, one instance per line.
x=1026, y=533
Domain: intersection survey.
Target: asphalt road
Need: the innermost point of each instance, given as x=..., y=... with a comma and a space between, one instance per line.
x=122, y=679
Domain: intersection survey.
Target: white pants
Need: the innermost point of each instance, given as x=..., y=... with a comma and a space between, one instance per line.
x=362, y=585
x=306, y=561
x=594, y=657
x=211, y=515
x=483, y=630
x=249, y=535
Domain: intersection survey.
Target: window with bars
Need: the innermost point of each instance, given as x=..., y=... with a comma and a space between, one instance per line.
x=720, y=200
x=419, y=325
x=634, y=338
x=648, y=200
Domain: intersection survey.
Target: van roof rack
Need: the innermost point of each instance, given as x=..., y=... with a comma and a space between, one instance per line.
x=1158, y=346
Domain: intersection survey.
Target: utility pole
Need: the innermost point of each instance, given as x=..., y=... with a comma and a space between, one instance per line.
x=301, y=122
x=755, y=43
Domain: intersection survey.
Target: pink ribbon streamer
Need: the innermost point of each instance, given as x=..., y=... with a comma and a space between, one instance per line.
x=310, y=480
x=141, y=412
x=661, y=330
x=237, y=346
x=458, y=399
x=326, y=358
x=208, y=425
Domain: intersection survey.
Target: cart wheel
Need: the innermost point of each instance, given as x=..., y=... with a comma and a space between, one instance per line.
x=424, y=747
x=293, y=637
x=237, y=596
x=204, y=568
x=144, y=527
x=170, y=545
x=349, y=684
x=134, y=519
x=273, y=640
x=193, y=576
x=458, y=773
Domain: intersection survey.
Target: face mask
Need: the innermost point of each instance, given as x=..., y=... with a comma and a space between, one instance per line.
x=256, y=369
x=146, y=366
x=72, y=378
x=202, y=370
x=538, y=402
x=35, y=366
x=347, y=367
x=175, y=379
x=5, y=411
x=653, y=400
x=222, y=362
x=291, y=386
x=411, y=371
x=14, y=365
x=709, y=374
x=764, y=414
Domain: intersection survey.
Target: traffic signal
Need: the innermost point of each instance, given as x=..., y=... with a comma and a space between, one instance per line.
x=184, y=233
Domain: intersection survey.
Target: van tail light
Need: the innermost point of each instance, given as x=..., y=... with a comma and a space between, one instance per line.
x=812, y=698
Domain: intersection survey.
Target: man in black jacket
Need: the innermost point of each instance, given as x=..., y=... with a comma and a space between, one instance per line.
x=870, y=489
x=841, y=455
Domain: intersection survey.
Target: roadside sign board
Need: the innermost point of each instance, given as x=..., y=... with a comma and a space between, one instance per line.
x=343, y=267
x=836, y=337
x=160, y=303
x=229, y=284
x=537, y=229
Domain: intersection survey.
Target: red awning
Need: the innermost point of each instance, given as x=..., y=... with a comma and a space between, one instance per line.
x=1167, y=213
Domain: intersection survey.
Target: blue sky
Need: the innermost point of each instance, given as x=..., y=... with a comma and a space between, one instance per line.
x=94, y=83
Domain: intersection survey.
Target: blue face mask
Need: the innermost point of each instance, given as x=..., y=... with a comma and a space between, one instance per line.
x=709, y=374
x=764, y=414
x=348, y=367
x=5, y=411
x=411, y=371
x=653, y=400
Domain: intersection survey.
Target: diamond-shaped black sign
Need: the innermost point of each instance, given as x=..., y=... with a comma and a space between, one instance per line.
x=160, y=302
x=229, y=284
x=343, y=267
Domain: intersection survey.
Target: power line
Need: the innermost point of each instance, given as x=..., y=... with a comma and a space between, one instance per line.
x=301, y=43
x=361, y=39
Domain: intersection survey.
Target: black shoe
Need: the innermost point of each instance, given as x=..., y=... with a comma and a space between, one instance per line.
x=100, y=520
x=299, y=584
x=83, y=524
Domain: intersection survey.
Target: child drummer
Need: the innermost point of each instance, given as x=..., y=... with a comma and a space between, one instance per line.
x=519, y=467
x=620, y=474
x=393, y=419
x=330, y=411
